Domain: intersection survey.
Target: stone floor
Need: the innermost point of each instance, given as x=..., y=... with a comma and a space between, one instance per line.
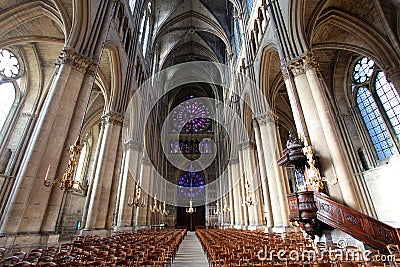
x=190, y=253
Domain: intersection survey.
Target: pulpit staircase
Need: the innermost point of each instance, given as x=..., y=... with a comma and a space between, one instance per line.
x=314, y=210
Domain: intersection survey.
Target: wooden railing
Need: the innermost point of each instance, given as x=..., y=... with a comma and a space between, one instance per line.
x=310, y=208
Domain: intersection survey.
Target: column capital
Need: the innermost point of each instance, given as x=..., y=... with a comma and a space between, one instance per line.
x=296, y=67
x=247, y=145
x=113, y=117
x=309, y=61
x=267, y=118
x=76, y=61
x=285, y=72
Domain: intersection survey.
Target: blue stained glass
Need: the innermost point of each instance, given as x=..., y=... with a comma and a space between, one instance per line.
x=191, y=185
x=249, y=5
x=236, y=37
x=363, y=70
x=374, y=123
x=390, y=100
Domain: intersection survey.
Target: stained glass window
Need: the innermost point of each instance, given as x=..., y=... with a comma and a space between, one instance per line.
x=6, y=101
x=375, y=125
x=249, y=5
x=146, y=38
x=191, y=185
x=9, y=65
x=379, y=105
x=390, y=100
x=132, y=5
x=236, y=37
x=191, y=116
x=9, y=72
x=363, y=70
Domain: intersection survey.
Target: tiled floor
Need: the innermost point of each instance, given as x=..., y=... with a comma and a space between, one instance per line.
x=190, y=253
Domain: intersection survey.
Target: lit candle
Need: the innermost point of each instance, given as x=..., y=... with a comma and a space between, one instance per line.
x=47, y=174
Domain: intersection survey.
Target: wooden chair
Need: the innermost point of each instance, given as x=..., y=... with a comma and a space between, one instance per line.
x=376, y=264
x=2, y=253
x=23, y=264
x=34, y=256
x=47, y=264
x=393, y=249
x=21, y=255
x=11, y=261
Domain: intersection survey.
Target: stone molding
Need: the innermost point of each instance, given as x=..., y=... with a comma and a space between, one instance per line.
x=297, y=68
x=267, y=118
x=113, y=117
x=310, y=62
x=247, y=145
x=77, y=62
x=302, y=64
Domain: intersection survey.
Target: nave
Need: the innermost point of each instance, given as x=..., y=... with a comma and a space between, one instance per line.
x=190, y=253
x=202, y=248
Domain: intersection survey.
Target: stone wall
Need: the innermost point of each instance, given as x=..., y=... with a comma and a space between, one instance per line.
x=384, y=184
x=72, y=213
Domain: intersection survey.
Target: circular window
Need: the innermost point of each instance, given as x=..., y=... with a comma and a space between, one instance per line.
x=363, y=70
x=191, y=116
x=9, y=65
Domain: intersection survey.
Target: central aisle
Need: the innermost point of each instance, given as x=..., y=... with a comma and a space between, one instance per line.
x=190, y=253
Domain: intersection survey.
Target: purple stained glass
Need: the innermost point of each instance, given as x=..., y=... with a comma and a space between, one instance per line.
x=191, y=185
x=191, y=116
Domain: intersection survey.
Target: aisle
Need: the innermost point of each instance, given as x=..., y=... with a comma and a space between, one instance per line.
x=190, y=253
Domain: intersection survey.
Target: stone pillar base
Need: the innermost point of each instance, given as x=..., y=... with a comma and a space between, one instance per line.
x=98, y=232
x=124, y=228
x=283, y=229
x=142, y=227
x=27, y=241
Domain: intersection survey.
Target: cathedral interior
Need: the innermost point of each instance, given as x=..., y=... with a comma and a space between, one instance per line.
x=261, y=116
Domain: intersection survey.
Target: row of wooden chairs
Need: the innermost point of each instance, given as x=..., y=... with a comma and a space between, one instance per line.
x=233, y=247
x=143, y=248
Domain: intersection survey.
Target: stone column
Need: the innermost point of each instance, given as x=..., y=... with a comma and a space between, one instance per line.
x=242, y=174
x=145, y=182
x=230, y=197
x=236, y=192
x=33, y=208
x=267, y=209
x=91, y=179
x=279, y=176
x=265, y=122
x=100, y=197
x=127, y=189
x=302, y=131
x=249, y=172
x=333, y=140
